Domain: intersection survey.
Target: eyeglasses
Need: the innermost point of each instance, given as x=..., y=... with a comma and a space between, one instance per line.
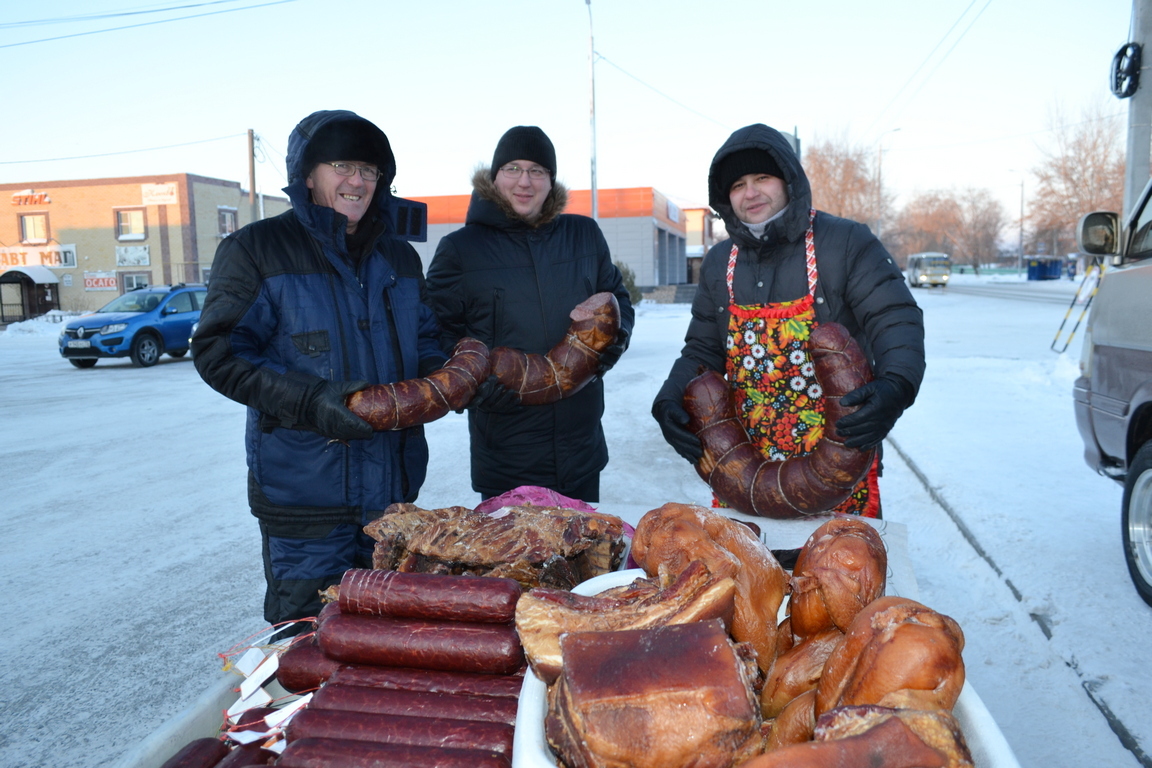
x=515, y=172
x=367, y=172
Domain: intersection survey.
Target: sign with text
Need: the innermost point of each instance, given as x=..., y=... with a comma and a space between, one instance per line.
x=159, y=194
x=30, y=197
x=132, y=256
x=100, y=281
x=54, y=255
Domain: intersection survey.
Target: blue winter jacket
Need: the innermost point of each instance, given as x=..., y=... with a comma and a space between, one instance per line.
x=285, y=309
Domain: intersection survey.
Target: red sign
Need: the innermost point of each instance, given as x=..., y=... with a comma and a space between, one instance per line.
x=99, y=282
x=30, y=197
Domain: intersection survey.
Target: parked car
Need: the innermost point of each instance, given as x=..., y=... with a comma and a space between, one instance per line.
x=141, y=324
x=1113, y=394
x=928, y=269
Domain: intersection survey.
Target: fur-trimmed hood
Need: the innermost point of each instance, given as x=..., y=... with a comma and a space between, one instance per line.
x=489, y=207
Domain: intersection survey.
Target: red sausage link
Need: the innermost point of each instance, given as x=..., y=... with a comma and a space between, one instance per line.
x=247, y=754
x=337, y=753
x=381, y=701
x=443, y=597
x=400, y=729
x=450, y=646
x=504, y=686
x=304, y=667
x=199, y=753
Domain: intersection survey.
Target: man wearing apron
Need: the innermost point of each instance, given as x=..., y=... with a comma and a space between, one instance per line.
x=785, y=269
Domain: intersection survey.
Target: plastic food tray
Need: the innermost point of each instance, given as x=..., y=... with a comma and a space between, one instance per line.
x=531, y=750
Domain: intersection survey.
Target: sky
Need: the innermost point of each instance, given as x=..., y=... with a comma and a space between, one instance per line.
x=948, y=95
x=132, y=559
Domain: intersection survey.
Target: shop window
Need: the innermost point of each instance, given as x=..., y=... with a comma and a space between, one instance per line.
x=227, y=220
x=130, y=224
x=34, y=228
x=134, y=280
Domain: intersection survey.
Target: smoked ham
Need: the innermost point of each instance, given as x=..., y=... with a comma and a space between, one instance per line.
x=840, y=569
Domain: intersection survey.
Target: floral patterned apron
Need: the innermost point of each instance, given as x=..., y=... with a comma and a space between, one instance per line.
x=770, y=369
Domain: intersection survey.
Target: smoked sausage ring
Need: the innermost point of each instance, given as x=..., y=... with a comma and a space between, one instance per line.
x=739, y=474
x=420, y=401
x=568, y=366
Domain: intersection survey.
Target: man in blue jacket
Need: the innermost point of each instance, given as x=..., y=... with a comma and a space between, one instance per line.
x=304, y=309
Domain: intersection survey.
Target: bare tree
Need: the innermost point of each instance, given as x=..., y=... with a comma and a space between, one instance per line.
x=1082, y=171
x=964, y=224
x=845, y=181
x=982, y=219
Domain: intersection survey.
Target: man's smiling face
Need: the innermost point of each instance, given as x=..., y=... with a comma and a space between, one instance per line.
x=349, y=195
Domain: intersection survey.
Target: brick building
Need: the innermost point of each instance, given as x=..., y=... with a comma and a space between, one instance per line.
x=645, y=231
x=75, y=245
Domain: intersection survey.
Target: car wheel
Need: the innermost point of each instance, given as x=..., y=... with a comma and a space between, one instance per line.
x=145, y=350
x=177, y=352
x=83, y=363
x=1136, y=519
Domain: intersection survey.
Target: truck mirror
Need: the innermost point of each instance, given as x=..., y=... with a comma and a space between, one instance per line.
x=1097, y=233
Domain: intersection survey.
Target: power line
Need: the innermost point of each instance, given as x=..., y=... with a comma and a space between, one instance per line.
x=99, y=16
x=125, y=152
x=946, y=55
x=657, y=90
x=146, y=24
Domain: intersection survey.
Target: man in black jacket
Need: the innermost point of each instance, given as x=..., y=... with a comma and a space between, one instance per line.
x=509, y=278
x=784, y=268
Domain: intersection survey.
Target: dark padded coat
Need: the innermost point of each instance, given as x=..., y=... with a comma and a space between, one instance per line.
x=285, y=309
x=858, y=286
x=509, y=283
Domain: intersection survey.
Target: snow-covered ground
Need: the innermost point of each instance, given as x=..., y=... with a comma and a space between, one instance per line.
x=131, y=559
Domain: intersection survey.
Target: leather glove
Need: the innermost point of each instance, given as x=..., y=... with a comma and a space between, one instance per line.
x=881, y=403
x=673, y=421
x=611, y=354
x=493, y=397
x=326, y=411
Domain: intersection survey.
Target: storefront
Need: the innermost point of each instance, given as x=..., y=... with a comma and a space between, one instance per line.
x=26, y=292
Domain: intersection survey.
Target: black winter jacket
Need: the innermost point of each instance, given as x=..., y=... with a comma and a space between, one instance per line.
x=287, y=310
x=512, y=284
x=858, y=285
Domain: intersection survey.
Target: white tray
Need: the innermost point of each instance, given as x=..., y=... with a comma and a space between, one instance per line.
x=530, y=749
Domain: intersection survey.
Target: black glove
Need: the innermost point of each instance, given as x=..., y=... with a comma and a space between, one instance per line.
x=493, y=397
x=673, y=421
x=881, y=403
x=611, y=354
x=326, y=412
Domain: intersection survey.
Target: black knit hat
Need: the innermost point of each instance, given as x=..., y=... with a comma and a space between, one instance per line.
x=357, y=140
x=744, y=161
x=525, y=142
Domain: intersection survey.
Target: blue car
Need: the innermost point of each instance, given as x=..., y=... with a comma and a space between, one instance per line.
x=141, y=324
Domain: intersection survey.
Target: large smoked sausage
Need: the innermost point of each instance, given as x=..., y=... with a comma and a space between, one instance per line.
x=739, y=474
x=450, y=646
x=399, y=729
x=444, y=597
x=304, y=666
x=340, y=753
x=420, y=401
x=380, y=701
x=505, y=686
x=568, y=366
x=198, y=753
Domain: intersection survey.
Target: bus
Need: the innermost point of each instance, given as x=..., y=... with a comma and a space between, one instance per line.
x=928, y=269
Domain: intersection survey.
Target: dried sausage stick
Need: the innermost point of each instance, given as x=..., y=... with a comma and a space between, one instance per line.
x=420, y=401
x=504, y=686
x=739, y=474
x=304, y=666
x=380, y=592
x=400, y=729
x=380, y=701
x=449, y=646
x=340, y=753
x=198, y=753
x=568, y=366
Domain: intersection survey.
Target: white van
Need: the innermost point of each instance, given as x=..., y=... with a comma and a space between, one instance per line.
x=928, y=269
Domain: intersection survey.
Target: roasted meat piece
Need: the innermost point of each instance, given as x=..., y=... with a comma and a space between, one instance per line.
x=536, y=546
x=544, y=615
x=679, y=695
x=841, y=568
x=669, y=538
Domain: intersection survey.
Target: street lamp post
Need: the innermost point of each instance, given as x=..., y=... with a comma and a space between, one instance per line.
x=880, y=180
x=592, y=106
x=1020, y=257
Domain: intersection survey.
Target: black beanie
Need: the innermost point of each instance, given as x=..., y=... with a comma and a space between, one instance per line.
x=744, y=161
x=525, y=142
x=354, y=139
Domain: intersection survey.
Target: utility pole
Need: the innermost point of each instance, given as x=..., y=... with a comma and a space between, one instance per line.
x=1139, y=146
x=592, y=106
x=1020, y=256
x=253, y=213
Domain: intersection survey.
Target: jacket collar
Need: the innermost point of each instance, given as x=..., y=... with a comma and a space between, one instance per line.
x=489, y=207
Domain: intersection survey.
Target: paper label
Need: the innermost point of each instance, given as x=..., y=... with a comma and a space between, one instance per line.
x=266, y=669
x=281, y=716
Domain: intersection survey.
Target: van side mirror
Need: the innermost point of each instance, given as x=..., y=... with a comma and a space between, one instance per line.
x=1098, y=233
